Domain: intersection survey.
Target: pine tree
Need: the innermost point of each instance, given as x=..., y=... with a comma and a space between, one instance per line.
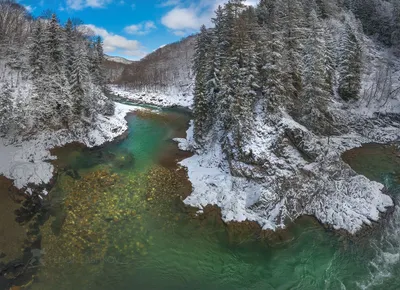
x=275, y=58
x=316, y=88
x=294, y=37
x=54, y=49
x=214, y=62
x=69, y=50
x=350, y=64
x=395, y=35
x=246, y=82
x=201, y=105
x=330, y=58
x=97, y=62
x=80, y=79
x=5, y=108
x=36, y=57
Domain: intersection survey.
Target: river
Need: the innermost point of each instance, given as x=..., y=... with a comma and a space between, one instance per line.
x=116, y=220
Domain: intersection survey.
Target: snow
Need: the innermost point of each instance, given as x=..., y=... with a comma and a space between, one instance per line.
x=284, y=185
x=118, y=59
x=26, y=162
x=169, y=97
x=378, y=81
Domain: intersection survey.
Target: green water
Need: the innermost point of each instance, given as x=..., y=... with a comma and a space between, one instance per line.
x=151, y=241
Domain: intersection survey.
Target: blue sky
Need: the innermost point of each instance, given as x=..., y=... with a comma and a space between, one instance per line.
x=133, y=28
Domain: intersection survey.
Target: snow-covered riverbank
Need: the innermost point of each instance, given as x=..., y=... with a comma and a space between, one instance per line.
x=26, y=162
x=284, y=185
x=172, y=97
x=281, y=184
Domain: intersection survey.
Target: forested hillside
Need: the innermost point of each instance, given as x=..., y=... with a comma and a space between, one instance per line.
x=281, y=91
x=295, y=54
x=51, y=75
x=168, y=69
x=114, y=68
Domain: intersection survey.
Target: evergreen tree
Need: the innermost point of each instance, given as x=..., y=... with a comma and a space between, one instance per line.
x=97, y=62
x=201, y=105
x=275, y=58
x=330, y=57
x=5, y=108
x=294, y=37
x=214, y=62
x=225, y=97
x=350, y=64
x=54, y=49
x=316, y=88
x=36, y=57
x=80, y=80
x=69, y=50
x=246, y=82
x=395, y=35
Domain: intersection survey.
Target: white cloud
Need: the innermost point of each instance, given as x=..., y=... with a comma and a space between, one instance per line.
x=187, y=16
x=180, y=32
x=29, y=8
x=185, y=19
x=81, y=4
x=166, y=3
x=114, y=43
x=142, y=28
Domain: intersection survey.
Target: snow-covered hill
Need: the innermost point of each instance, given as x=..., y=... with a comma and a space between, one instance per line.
x=164, y=73
x=118, y=59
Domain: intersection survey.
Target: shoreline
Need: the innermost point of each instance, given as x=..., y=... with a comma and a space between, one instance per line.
x=28, y=163
x=343, y=143
x=173, y=98
x=209, y=175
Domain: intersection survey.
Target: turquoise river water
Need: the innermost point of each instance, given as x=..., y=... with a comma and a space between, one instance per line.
x=117, y=221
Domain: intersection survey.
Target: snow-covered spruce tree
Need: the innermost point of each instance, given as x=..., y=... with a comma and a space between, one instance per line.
x=56, y=93
x=201, y=104
x=317, y=89
x=330, y=57
x=395, y=36
x=5, y=108
x=350, y=65
x=224, y=97
x=230, y=65
x=294, y=21
x=36, y=57
x=214, y=64
x=274, y=67
x=54, y=49
x=70, y=39
x=82, y=103
x=42, y=52
x=244, y=54
x=97, y=59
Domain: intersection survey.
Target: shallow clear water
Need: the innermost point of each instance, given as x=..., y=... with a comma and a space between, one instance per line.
x=118, y=223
